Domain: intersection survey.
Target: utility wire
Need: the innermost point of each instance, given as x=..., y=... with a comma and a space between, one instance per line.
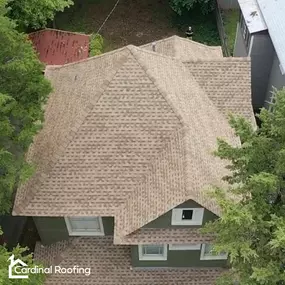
x=116, y=4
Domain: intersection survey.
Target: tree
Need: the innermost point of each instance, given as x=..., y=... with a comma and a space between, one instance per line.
x=252, y=230
x=205, y=5
x=19, y=252
x=34, y=13
x=23, y=91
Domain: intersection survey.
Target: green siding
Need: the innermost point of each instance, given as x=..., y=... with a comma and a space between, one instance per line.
x=108, y=224
x=164, y=221
x=53, y=229
x=176, y=258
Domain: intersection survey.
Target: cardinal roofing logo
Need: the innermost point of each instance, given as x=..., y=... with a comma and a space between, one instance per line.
x=14, y=264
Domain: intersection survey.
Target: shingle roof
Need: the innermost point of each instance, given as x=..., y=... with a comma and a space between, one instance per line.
x=226, y=83
x=60, y=47
x=111, y=265
x=165, y=236
x=185, y=49
x=128, y=134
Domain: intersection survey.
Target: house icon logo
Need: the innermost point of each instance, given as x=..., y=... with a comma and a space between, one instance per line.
x=13, y=265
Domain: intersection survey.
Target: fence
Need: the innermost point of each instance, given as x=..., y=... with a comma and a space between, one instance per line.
x=228, y=4
x=221, y=29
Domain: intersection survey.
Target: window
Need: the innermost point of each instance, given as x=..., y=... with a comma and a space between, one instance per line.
x=84, y=226
x=208, y=254
x=244, y=31
x=271, y=102
x=189, y=246
x=187, y=216
x=153, y=252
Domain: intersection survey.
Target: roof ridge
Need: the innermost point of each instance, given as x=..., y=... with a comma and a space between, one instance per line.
x=52, y=67
x=159, y=41
x=58, y=30
x=196, y=43
x=136, y=49
x=132, y=49
x=222, y=59
x=170, y=140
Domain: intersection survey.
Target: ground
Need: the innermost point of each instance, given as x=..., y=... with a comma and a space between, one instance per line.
x=230, y=18
x=136, y=22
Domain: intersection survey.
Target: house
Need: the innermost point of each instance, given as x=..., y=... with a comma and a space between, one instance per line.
x=260, y=35
x=124, y=162
x=56, y=47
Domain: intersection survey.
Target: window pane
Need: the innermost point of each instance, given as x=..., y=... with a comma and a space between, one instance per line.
x=209, y=252
x=84, y=224
x=152, y=249
x=208, y=249
x=187, y=214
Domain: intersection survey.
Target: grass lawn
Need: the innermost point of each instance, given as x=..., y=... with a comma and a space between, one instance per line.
x=204, y=26
x=230, y=18
x=136, y=22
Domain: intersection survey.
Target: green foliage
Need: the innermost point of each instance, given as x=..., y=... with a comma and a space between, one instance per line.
x=179, y=5
x=23, y=91
x=231, y=18
x=96, y=45
x=19, y=252
x=34, y=13
x=252, y=226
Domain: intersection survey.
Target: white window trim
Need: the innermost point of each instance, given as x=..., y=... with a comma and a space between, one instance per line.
x=77, y=233
x=154, y=257
x=185, y=246
x=211, y=257
x=176, y=219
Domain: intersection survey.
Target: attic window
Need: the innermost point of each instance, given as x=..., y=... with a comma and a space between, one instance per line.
x=187, y=216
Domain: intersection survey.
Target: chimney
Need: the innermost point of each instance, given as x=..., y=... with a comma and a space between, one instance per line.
x=153, y=45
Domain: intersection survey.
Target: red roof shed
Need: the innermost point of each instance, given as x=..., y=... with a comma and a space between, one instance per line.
x=60, y=47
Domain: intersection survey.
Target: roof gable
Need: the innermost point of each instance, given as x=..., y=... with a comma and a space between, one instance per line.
x=184, y=49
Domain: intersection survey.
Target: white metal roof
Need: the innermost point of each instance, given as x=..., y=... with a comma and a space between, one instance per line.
x=274, y=15
x=252, y=15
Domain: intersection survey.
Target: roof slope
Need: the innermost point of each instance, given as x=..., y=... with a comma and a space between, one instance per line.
x=127, y=134
x=185, y=49
x=273, y=13
x=60, y=47
x=227, y=83
x=111, y=265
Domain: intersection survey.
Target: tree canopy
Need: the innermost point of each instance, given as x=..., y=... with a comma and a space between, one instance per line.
x=23, y=91
x=34, y=13
x=19, y=252
x=252, y=226
x=205, y=5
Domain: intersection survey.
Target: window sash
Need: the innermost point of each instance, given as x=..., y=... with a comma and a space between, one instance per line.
x=152, y=252
x=81, y=226
x=152, y=249
x=197, y=218
x=208, y=254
